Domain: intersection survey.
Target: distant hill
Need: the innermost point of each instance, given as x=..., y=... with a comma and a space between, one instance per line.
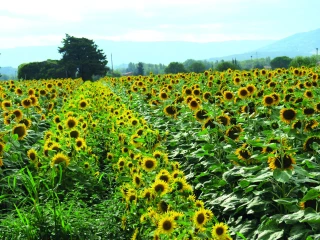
x=125, y=52
x=300, y=44
x=10, y=71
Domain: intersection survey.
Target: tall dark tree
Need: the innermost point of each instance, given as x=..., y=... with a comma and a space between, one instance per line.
x=82, y=58
x=140, y=69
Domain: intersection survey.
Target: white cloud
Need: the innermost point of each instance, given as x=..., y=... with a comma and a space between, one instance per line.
x=25, y=22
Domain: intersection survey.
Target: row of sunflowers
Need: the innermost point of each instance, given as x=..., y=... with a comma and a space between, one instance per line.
x=66, y=143
x=247, y=141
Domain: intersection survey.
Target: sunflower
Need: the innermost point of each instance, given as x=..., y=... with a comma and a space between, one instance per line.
x=181, y=184
x=147, y=194
x=57, y=119
x=18, y=91
x=227, y=95
x=307, y=146
x=187, y=91
x=20, y=130
x=310, y=125
x=26, y=103
x=309, y=111
x=268, y=100
x=201, y=115
x=18, y=113
x=2, y=146
x=234, y=132
x=55, y=147
x=149, y=164
x=134, y=140
x=32, y=154
x=237, y=80
x=164, y=175
x=243, y=92
x=74, y=134
x=132, y=197
x=86, y=165
x=281, y=163
x=71, y=122
x=287, y=115
x=134, y=122
x=163, y=207
x=308, y=94
x=251, y=89
x=193, y=104
x=170, y=110
x=34, y=100
x=209, y=123
x=224, y=120
x=26, y=122
x=1, y=162
x=312, y=203
x=6, y=104
x=220, y=231
x=121, y=162
x=80, y=143
x=243, y=153
x=199, y=204
x=137, y=180
x=160, y=187
x=297, y=125
x=166, y=225
x=83, y=104
x=177, y=173
x=60, y=158
x=109, y=156
x=163, y=96
x=206, y=95
x=200, y=218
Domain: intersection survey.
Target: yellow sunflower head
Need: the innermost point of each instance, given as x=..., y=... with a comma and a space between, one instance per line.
x=166, y=225
x=32, y=154
x=220, y=231
x=149, y=163
x=71, y=122
x=20, y=130
x=60, y=158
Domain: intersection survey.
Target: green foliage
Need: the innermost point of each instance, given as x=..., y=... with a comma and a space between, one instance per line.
x=82, y=58
x=223, y=66
x=304, y=61
x=197, y=67
x=280, y=62
x=175, y=67
x=41, y=70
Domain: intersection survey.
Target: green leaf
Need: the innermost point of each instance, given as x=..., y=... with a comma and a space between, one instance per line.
x=292, y=218
x=311, y=194
x=298, y=232
x=286, y=201
x=311, y=218
x=244, y=183
x=282, y=175
x=271, y=234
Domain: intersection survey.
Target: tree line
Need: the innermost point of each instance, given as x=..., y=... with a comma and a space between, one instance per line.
x=82, y=58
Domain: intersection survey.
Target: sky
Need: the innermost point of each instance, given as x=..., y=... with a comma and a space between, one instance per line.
x=45, y=23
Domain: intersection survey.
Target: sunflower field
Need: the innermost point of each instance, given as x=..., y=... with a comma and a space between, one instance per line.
x=216, y=155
